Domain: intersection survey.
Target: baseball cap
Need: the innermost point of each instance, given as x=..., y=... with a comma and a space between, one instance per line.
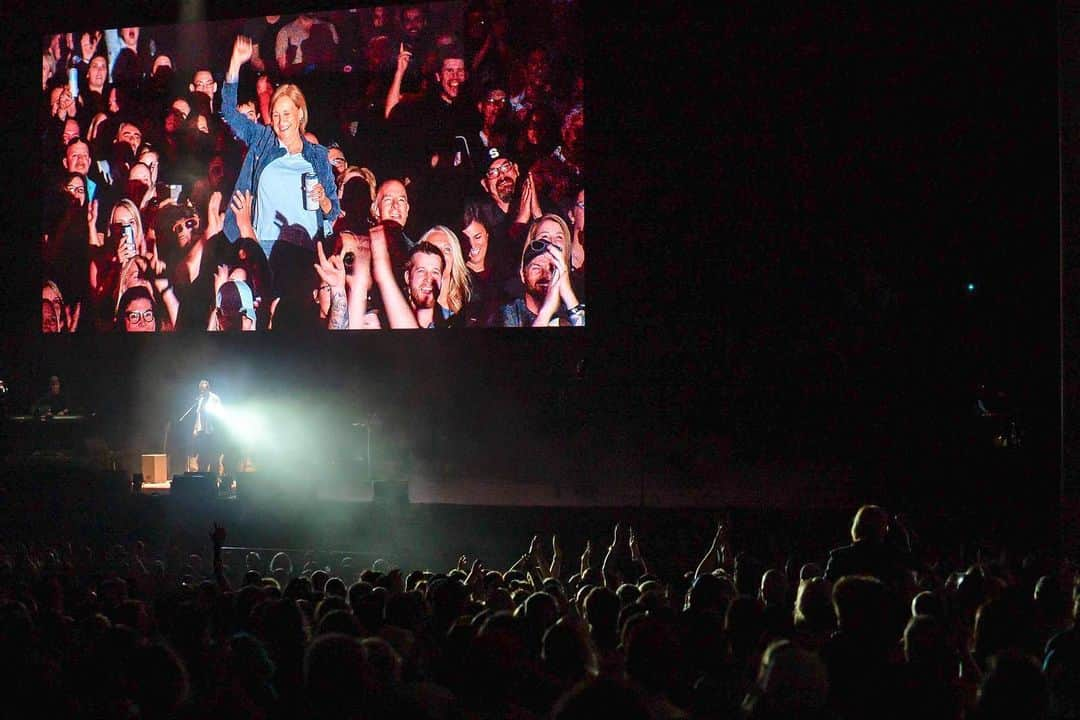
x=532, y=250
x=490, y=156
x=235, y=297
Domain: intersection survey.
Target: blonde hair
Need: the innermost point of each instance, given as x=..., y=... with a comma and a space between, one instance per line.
x=293, y=93
x=871, y=522
x=48, y=59
x=364, y=174
x=534, y=228
x=459, y=285
x=140, y=237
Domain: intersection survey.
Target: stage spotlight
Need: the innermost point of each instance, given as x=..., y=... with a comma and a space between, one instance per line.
x=245, y=423
x=970, y=287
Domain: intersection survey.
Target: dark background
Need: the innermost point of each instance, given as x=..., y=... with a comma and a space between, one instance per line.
x=787, y=207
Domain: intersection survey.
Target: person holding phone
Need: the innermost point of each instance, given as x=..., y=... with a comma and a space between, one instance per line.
x=277, y=159
x=124, y=240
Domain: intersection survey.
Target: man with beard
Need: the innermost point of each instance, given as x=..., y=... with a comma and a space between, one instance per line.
x=433, y=133
x=418, y=306
x=509, y=204
x=546, y=283
x=415, y=39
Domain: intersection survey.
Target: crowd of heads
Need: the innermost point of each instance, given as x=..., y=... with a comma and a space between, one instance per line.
x=623, y=631
x=458, y=125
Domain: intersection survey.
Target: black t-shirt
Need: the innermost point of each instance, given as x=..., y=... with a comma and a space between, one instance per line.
x=264, y=35
x=197, y=298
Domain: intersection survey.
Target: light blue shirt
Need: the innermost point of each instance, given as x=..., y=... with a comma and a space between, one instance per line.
x=113, y=46
x=280, y=203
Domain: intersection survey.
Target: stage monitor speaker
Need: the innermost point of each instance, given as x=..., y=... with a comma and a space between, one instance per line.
x=256, y=486
x=194, y=486
x=155, y=469
x=392, y=492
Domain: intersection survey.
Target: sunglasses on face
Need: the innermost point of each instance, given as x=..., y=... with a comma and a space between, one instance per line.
x=190, y=224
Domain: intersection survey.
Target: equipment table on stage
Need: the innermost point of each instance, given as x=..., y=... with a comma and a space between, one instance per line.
x=51, y=434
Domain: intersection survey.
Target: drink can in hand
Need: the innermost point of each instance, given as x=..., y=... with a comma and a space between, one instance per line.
x=308, y=181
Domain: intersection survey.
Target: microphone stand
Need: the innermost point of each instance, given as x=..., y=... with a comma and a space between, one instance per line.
x=182, y=417
x=188, y=412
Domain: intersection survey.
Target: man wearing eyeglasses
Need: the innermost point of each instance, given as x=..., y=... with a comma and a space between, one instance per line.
x=203, y=82
x=507, y=207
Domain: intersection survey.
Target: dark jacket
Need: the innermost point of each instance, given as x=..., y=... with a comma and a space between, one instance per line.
x=882, y=560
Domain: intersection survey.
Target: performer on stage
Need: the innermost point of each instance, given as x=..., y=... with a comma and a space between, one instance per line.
x=52, y=403
x=205, y=455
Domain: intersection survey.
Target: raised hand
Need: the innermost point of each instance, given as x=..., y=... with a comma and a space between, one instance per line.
x=721, y=534
x=215, y=218
x=88, y=43
x=217, y=534
x=380, y=251
x=527, y=201
x=242, y=51
x=241, y=206
x=92, y=214
x=534, y=546
x=551, y=299
x=221, y=276
x=124, y=251
x=476, y=574
x=71, y=316
x=95, y=123
x=331, y=269
x=360, y=276
x=403, y=58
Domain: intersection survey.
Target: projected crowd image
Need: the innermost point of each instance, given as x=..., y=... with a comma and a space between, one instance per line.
x=407, y=166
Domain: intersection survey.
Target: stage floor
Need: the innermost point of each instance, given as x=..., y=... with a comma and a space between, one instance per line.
x=780, y=487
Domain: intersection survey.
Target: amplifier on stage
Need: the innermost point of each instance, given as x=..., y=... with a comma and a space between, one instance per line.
x=155, y=469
